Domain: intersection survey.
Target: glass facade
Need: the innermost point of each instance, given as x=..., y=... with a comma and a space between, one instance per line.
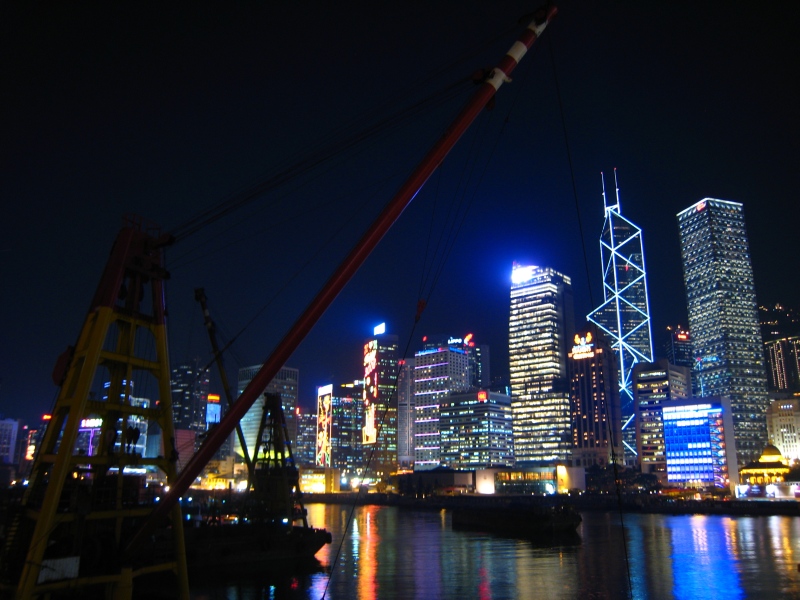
x=476, y=430
x=437, y=373
x=654, y=385
x=723, y=317
x=694, y=437
x=540, y=321
x=286, y=385
x=624, y=315
x=379, y=426
x=594, y=398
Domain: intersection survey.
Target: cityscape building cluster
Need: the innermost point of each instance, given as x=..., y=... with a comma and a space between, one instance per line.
x=586, y=396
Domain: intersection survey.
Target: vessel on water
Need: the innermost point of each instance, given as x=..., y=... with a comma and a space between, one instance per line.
x=519, y=517
x=83, y=528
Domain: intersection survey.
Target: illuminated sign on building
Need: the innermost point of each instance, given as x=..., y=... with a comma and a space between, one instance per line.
x=324, y=425
x=369, y=432
x=482, y=396
x=213, y=398
x=583, y=348
x=380, y=329
x=91, y=423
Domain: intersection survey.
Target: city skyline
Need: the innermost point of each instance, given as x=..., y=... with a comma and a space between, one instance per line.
x=169, y=134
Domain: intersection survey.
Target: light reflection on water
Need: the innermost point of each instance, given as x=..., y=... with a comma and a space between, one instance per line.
x=394, y=553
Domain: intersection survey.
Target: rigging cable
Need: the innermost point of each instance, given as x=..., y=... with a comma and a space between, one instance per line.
x=591, y=300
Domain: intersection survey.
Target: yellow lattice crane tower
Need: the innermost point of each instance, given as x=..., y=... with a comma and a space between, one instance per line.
x=86, y=498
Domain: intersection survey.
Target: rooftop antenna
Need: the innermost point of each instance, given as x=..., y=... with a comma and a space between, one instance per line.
x=603, y=180
x=616, y=185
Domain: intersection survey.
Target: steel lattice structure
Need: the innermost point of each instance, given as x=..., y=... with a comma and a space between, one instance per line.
x=624, y=315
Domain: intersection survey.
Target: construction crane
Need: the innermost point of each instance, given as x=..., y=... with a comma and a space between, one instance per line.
x=85, y=522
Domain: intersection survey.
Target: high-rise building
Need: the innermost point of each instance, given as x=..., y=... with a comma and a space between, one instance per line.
x=783, y=427
x=624, y=315
x=438, y=371
x=697, y=441
x=304, y=450
x=723, y=317
x=379, y=429
x=594, y=399
x=346, y=445
x=476, y=430
x=540, y=323
x=8, y=441
x=286, y=385
x=678, y=348
x=189, y=383
x=783, y=365
x=405, y=414
x=655, y=384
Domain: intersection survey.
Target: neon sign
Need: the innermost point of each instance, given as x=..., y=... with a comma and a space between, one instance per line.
x=369, y=432
x=583, y=348
x=482, y=396
x=324, y=425
x=213, y=398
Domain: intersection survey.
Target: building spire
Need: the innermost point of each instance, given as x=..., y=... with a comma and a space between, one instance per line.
x=603, y=180
x=616, y=185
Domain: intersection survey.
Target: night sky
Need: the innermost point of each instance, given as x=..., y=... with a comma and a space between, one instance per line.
x=170, y=111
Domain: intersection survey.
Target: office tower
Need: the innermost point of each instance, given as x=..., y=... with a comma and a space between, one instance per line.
x=189, y=384
x=304, y=451
x=438, y=371
x=624, y=315
x=9, y=429
x=778, y=321
x=678, y=348
x=475, y=430
x=324, y=426
x=480, y=372
x=405, y=415
x=347, y=425
x=783, y=364
x=723, y=317
x=379, y=432
x=286, y=385
x=783, y=427
x=653, y=385
x=540, y=321
x=594, y=401
x=697, y=441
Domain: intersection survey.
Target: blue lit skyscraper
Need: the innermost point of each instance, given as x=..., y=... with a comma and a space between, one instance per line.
x=723, y=317
x=624, y=315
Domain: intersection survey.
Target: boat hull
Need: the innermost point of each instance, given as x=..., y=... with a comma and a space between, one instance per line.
x=523, y=521
x=252, y=545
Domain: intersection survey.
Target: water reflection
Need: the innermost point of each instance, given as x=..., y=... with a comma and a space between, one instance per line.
x=394, y=553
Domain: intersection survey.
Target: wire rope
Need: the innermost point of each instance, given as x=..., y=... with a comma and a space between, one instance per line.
x=550, y=45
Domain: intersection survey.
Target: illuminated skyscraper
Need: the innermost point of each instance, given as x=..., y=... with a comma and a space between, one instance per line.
x=189, y=383
x=347, y=424
x=655, y=384
x=405, y=414
x=286, y=385
x=624, y=315
x=438, y=371
x=594, y=398
x=540, y=322
x=783, y=364
x=476, y=430
x=723, y=317
x=379, y=429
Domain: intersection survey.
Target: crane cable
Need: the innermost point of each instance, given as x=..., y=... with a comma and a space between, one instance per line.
x=550, y=45
x=239, y=199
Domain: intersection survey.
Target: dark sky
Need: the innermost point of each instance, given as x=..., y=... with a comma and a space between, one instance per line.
x=168, y=111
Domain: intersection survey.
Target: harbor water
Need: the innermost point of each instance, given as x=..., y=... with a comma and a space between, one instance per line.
x=381, y=552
